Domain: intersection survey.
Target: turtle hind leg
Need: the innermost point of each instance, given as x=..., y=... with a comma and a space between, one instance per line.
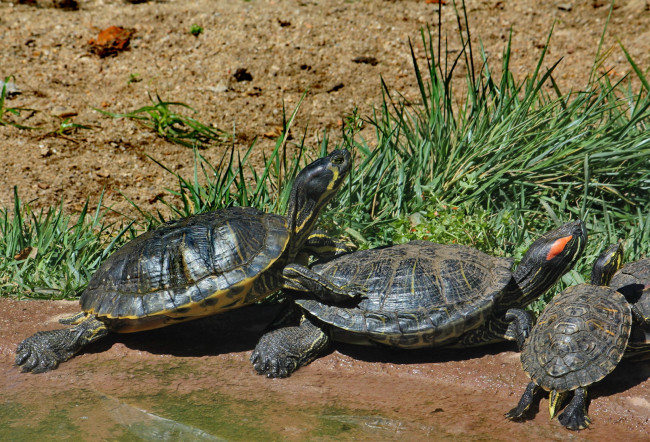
x=44, y=350
x=530, y=397
x=574, y=416
x=282, y=351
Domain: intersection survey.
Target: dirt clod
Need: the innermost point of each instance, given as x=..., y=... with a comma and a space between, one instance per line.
x=110, y=41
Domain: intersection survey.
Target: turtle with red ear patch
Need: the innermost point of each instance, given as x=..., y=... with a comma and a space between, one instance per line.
x=417, y=295
x=579, y=338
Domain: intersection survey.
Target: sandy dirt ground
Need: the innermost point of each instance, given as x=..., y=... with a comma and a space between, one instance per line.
x=287, y=47
x=194, y=380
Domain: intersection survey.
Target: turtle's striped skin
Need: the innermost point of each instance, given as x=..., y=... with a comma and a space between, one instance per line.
x=633, y=281
x=579, y=338
x=418, y=294
x=198, y=266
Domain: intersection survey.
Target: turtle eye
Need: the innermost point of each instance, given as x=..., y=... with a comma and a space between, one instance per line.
x=337, y=160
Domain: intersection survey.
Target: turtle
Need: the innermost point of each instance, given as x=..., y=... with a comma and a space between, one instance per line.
x=417, y=295
x=195, y=267
x=579, y=338
x=633, y=281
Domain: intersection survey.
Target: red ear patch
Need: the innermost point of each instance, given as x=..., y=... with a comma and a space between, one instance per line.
x=558, y=247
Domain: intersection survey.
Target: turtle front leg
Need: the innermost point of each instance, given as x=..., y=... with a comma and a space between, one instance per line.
x=301, y=278
x=282, y=351
x=44, y=350
x=320, y=245
x=574, y=416
x=530, y=396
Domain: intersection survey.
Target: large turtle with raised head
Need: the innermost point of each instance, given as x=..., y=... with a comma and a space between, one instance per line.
x=195, y=267
x=633, y=281
x=417, y=295
x=579, y=338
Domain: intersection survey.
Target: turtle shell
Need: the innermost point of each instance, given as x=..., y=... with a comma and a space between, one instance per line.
x=418, y=294
x=189, y=268
x=633, y=281
x=578, y=339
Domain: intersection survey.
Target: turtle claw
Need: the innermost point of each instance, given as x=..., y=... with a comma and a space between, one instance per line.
x=35, y=355
x=268, y=360
x=530, y=397
x=574, y=420
x=44, y=350
x=515, y=414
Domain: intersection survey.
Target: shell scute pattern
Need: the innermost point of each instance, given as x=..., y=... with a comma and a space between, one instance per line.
x=635, y=274
x=185, y=263
x=580, y=337
x=633, y=281
x=418, y=293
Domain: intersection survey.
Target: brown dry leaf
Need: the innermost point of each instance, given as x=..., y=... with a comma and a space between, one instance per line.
x=27, y=252
x=274, y=133
x=110, y=41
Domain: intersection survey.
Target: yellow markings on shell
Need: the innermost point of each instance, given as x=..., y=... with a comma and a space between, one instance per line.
x=233, y=234
x=194, y=310
x=462, y=272
x=186, y=269
x=415, y=262
x=597, y=325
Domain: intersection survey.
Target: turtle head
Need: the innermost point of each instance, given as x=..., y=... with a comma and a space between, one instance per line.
x=314, y=187
x=548, y=258
x=607, y=264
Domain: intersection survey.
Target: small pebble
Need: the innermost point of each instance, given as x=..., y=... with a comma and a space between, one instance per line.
x=11, y=89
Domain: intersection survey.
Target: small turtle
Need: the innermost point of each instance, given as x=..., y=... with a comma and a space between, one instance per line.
x=417, y=295
x=579, y=338
x=195, y=267
x=633, y=281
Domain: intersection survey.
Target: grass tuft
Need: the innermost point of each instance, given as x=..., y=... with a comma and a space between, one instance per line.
x=177, y=128
x=15, y=111
x=50, y=255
